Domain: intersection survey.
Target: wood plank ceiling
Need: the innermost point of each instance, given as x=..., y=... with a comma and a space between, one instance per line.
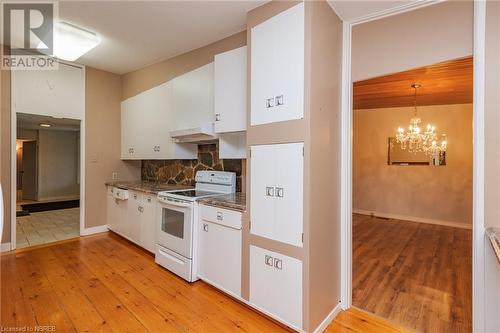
x=448, y=82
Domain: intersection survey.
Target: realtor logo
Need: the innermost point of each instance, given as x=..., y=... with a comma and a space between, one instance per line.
x=28, y=29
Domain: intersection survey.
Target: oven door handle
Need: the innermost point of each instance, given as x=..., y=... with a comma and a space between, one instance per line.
x=174, y=203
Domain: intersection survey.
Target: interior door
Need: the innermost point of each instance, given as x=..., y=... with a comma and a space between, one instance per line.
x=30, y=168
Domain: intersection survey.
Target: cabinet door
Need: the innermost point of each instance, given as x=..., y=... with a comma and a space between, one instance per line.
x=277, y=68
x=130, y=127
x=132, y=229
x=230, y=90
x=276, y=285
x=276, y=206
x=148, y=220
x=111, y=210
x=220, y=256
x=262, y=206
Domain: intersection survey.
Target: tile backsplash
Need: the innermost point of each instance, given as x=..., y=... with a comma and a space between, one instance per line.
x=182, y=172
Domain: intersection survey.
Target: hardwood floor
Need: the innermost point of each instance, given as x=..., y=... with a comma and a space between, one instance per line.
x=418, y=275
x=102, y=283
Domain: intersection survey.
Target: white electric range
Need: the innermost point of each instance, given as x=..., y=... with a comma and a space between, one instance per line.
x=176, y=227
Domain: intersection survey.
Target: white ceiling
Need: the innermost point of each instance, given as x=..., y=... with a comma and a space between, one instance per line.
x=350, y=10
x=138, y=33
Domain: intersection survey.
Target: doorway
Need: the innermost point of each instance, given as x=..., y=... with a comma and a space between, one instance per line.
x=47, y=179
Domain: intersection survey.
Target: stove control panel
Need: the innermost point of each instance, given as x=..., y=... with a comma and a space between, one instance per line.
x=216, y=177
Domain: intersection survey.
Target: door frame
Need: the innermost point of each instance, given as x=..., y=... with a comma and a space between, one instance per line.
x=478, y=242
x=13, y=166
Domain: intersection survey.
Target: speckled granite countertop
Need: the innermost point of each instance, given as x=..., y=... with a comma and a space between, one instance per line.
x=234, y=201
x=144, y=186
x=494, y=236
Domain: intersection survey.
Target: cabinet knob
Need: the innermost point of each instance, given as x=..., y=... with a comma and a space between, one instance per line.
x=268, y=260
x=269, y=103
x=219, y=216
x=270, y=191
x=278, y=263
x=280, y=192
x=205, y=227
x=217, y=117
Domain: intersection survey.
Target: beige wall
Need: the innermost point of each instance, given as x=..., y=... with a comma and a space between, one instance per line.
x=58, y=164
x=158, y=73
x=436, y=193
x=413, y=39
x=102, y=142
x=5, y=149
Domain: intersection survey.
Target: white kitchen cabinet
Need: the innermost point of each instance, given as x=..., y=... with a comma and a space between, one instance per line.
x=276, y=285
x=148, y=220
x=220, y=249
x=233, y=145
x=230, y=90
x=277, y=68
x=133, y=217
x=193, y=98
x=57, y=93
x=277, y=190
x=117, y=210
x=146, y=120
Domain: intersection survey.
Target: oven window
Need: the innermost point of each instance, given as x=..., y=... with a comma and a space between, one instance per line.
x=172, y=222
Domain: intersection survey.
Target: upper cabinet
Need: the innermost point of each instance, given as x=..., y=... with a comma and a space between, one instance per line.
x=148, y=118
x=277, y=68
x=230, y=90
x=193, y=98
x=58, y=93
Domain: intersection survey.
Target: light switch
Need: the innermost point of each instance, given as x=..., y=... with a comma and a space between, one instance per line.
x=114, y=175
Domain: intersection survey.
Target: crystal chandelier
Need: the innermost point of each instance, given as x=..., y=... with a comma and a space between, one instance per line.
x=415, y=140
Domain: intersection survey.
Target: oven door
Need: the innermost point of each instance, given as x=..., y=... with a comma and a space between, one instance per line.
x=174, y=227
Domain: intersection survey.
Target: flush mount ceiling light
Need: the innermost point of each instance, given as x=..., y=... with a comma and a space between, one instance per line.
x=45, y=125
x=72, y=42
x=415, y=140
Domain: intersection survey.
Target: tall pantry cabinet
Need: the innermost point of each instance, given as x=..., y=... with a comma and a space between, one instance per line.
x=291, y=243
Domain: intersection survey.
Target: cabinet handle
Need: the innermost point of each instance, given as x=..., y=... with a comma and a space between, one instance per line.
x=268, y=260
x=131, y=151
x=219, y=216
x=217, y=117
x=279, y=100
x=140, y=209
x=205, y=227
x=270, y=191
x=269, y=103
x=280, y=192
x=278, y=263
x=149, y=199
x=135, y=196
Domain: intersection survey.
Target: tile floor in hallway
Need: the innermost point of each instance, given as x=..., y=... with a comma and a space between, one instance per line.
x=49, y=226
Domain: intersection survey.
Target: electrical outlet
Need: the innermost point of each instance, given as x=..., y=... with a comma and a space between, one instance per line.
x=114, y=175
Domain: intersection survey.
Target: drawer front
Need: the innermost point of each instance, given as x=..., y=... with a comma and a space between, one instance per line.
x=175, y=263
x=276, y=285
x=225, y=217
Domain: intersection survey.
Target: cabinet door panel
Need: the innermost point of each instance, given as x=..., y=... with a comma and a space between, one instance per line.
x=220, y=256
x=148, y=220
x=130, y=129
x=277, y=70
x=230, y=90
x=289, y=193
x=276, y=285
x=262, y=206
x=133, y=223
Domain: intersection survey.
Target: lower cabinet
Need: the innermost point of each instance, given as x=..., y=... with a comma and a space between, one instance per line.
x=133, y=218
x=220, y=249
x=276, y=285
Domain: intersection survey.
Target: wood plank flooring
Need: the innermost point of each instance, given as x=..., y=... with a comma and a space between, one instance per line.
x=103, y=283
x=418, y=275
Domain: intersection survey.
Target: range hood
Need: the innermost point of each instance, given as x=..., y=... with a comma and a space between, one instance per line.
x=202, y=134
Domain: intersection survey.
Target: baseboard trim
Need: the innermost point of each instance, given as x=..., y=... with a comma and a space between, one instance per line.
x=94, y=230
x=413, y=219
x=5, y=247
x=331, y=316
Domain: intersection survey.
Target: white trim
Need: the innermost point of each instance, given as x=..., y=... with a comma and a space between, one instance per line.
x=478, y=230
x=346, y=167
x=13, y=191
x=331, y=316
x=94, y=230
x=413, y=219
x=5, y=247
